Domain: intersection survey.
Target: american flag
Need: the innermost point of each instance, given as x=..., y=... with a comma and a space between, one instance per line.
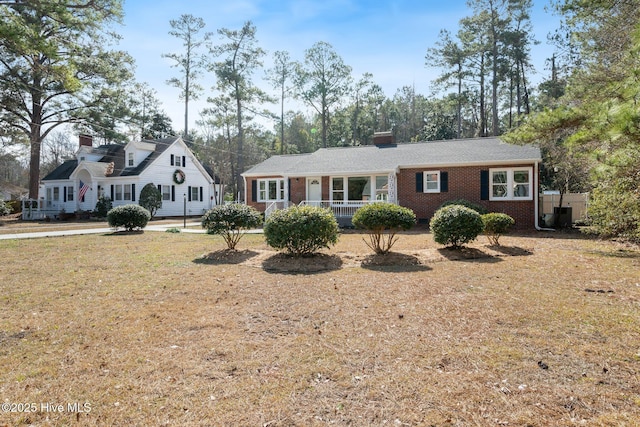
x=83, y=189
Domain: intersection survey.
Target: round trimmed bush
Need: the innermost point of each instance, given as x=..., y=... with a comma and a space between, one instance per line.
x=230, y=221
x=301, y=230
x=495, y=225
x=455, y=225
x=463, y=202
x=382, y=221
x=130, y=217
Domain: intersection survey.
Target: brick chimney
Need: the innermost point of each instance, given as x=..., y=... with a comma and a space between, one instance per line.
x=383, y=138
x=86, y=140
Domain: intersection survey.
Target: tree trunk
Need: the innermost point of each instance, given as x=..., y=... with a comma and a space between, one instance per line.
x=483, y=115
x=35, y=138
x=459, y=130
x=240, y=159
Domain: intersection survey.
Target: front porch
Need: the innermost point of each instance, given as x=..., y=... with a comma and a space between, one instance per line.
x=343, y=211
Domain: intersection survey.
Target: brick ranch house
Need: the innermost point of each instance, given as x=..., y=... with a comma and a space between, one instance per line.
x=421, y=176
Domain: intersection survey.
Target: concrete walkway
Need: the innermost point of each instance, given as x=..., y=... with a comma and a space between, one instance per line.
x=102, y=230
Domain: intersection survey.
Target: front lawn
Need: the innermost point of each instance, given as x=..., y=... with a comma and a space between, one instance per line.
x=170, y=329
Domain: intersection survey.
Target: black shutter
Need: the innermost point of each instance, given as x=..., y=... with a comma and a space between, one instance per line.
x=172, y=160
x=184, y=161
x=484, y=185
x=289, y=189
x=173, y=193
x=64, y=193
x=419, y=182
x=133, y=192
x=189, y=192
x=201, y=195
x=112, y=192
x=444, y=182
x=160, y=188
x=254, y=190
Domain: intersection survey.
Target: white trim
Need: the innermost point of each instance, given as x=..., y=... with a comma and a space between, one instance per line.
x=425, y=174
x=372, y=187
x=510, y=184
x=281, y=190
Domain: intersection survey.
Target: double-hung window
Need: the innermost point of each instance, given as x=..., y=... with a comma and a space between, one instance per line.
x=432, y=182
x=166, y=192
x=195, y=194
x=70, y=193
x=271, y=190
x=127, y=192
x=511, y=184
x=130, y=159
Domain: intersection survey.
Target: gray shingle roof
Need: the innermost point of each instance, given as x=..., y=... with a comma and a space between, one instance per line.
x=389, y=158
x=63, y=171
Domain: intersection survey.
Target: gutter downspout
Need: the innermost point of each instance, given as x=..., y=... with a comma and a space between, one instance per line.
x=537, y=199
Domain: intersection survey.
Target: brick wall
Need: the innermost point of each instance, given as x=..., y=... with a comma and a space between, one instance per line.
x=464, y=183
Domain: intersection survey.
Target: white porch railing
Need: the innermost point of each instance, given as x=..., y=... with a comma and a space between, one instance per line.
x=274, y=206
x=35, y=210
x=339, y=209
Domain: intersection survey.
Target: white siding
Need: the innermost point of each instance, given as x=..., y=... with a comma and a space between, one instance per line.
x=161, y=173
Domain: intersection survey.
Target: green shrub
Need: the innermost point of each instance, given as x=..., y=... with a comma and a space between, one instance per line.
x=301, y=230
x=14, y=205
x=462, y=202
x=382, y=221
x=130, y=217
x=455, y=225
x=103, y=206
x=230, y=221
x=495, y=225
x=614, y=212
x=5, y=209
x=150, y=198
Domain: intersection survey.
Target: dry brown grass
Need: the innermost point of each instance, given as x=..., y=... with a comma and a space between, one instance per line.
x=169, y=329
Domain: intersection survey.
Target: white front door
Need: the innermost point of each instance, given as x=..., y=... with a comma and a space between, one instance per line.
x=314, y=190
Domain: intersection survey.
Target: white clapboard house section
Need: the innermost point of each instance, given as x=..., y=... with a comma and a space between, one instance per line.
x=121, y=171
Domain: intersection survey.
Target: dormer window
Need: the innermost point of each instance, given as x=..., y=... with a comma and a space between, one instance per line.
x=130, y=159
x=180, y=161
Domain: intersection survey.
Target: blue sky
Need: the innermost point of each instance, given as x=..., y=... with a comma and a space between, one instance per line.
x=386, y=38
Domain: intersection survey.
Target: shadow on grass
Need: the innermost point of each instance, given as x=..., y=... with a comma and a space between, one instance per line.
x=287, y=264
x=226, y=256
x=510, y=250
x=467, y=254
x=619, y=253
x=124, y=233
x=393, y=262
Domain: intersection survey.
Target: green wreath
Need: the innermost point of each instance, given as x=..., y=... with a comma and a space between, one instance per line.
x=179, y=176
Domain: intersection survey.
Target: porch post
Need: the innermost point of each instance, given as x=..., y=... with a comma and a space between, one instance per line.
x=286, y=191
x=392, y=192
